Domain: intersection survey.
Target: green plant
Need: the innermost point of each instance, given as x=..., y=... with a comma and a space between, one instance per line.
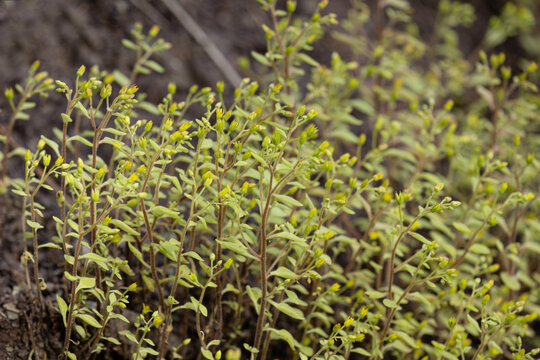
x=271, y=216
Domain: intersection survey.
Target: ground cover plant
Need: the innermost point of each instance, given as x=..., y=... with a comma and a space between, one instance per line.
x=379, y=206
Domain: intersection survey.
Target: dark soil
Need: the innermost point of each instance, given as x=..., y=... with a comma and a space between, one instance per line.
x=64, y=35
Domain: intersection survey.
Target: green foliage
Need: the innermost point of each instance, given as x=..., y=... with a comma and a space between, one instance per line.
x=272, y=219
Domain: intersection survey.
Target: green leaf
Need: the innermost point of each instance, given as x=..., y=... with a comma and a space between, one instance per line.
x=160, y=211
x=307, y=59
x=207, y=354
x=129, y=335
x=284, y=272
x=89, y=319
x=260, y=58
x=82, y=109
x=66, y=118
x=155, y=66
x=80, y=139
x=34, y=225
x=288, y=200
x=361, y=351
x=62, y=307
x=137, y=254
x=124, y=227
x=480, y=249
x=287, y=235
x=251, y=348
x=474, y=325
x=201, y=307
x=288, y=310
x=148, y=107
x=194, y=255
x=52, y=144
x=120, y=78
x=462, y=227
x=420, y=238
x=129, y=44
x=114, y=132
x=50, y=246
x=100, y=260
x=511, y=281
x=85, y=283
x=22, y=116
x=285, y=335
x=169, y=248
x=372, y=294
x=389, y=303
x=111, y=339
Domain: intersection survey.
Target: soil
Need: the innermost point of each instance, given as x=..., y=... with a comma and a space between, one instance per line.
x=65, y=34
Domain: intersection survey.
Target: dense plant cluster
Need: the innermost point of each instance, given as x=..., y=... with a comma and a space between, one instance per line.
x=381, y=206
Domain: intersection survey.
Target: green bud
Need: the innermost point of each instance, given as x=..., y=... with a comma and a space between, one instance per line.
x=34, y=66
x=46, y=160
x=95, y=196
x=220, y=86
x=480, y=161
x=301, y=111
x=311, y=114
x=506, y=72
x=266, y=142
x=81, y=71
x=148, y=126
x=154, y=30
x=9, y=94
x=105, y=91
x=234, y=125
x=237, y=145
x=303, y=137
x=344, y=157
x=311, y=130
x=132, y=287
x=329, y=183
x=291, y=6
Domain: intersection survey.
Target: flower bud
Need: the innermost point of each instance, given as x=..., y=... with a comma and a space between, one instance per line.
x=105, y=91
x=291, y=6
x=9, y=93
x=81, y=71
x=46, y=160
x=154, y=30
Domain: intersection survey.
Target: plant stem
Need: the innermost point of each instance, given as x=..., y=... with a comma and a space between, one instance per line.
x=69, y=322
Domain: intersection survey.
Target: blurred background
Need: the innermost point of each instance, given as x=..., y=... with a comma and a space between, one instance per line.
x=66, y=34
